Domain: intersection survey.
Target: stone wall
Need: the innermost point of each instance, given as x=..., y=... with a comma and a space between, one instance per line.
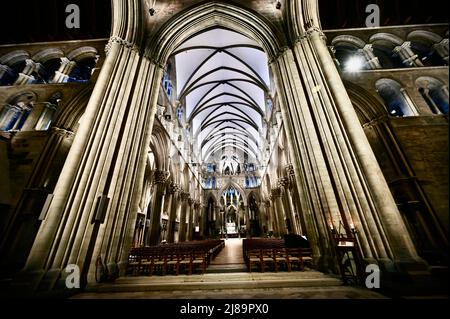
x=424, y=140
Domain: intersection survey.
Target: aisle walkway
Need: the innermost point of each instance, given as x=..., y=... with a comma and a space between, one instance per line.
x=230, y=259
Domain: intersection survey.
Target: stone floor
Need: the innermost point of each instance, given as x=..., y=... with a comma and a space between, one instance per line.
x=230, y=259
x=227, y=278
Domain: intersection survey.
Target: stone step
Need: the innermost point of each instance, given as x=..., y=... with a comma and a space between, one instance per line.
x=218, y=281
x=224, y=269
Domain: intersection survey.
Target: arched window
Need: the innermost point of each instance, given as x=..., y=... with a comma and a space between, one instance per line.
x=396, y=99
x=48, y=113
x=13, y=117
x=180, y=113
x=48, y=70
x=82, y=72
x=435, y=93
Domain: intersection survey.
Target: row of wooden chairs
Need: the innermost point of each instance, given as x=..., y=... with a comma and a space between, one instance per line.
x=166, y=259
x=274, y=255
x=279, y=259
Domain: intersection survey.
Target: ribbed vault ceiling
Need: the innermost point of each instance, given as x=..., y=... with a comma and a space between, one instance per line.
x=223, y=80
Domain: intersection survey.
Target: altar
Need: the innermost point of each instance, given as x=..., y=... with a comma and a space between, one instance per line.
x=231, y=228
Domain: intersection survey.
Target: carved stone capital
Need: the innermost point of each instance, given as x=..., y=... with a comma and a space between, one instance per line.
x=275, y=193
x=160, y=177
x=283, y=182
x=122, y=42
x=173, y=188
x=185, y=196
x=290, y=170
x=61, y=132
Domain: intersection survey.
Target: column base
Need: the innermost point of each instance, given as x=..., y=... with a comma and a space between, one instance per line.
x=25, y=284
x=410, y=277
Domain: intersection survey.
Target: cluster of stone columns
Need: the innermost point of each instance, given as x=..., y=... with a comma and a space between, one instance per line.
x=106, y=160
x=169, y=199
x=339, y=180
x=284, y=217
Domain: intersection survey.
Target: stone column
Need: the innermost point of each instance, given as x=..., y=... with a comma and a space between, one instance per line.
x=4, y=71
x=197, y=216
x=184, y=212
x=7, y=115
x=107, y=160
x=175, y=190
x=159, y=193
x=265, y=211
x=279, y=212
x=366, y=177
x=296, y=209
x=283, y=184
x=441, y=49
x=203, y=216
x=182, y=216
x=269, y=212
x=34, y=116
x=371, y=59
x=217, y=218
x=247, y=222
x=409, y=58
x=25, y=76
x=66, y=67
x=191, y=223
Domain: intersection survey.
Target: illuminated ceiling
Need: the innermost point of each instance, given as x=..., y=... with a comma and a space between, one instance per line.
x=223, y=80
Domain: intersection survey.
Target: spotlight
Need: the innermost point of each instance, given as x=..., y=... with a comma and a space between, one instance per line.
x=355, y=64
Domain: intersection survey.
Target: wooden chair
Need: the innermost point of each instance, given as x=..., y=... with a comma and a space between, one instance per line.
x=281, y=259
x=134, y=263
x=199, y=260
x=254, y=257
x=267, y=258
x=306, y=257
x=185, y=262
x=295, y=258
x=158, y=263
x=171, y=262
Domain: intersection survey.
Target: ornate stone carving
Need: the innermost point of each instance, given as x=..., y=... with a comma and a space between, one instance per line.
x=173, y=188
x=283, y=182
x=275, y=193
x=122, y=42
x=185, y=196
x=290, y=171
x=160, y=177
